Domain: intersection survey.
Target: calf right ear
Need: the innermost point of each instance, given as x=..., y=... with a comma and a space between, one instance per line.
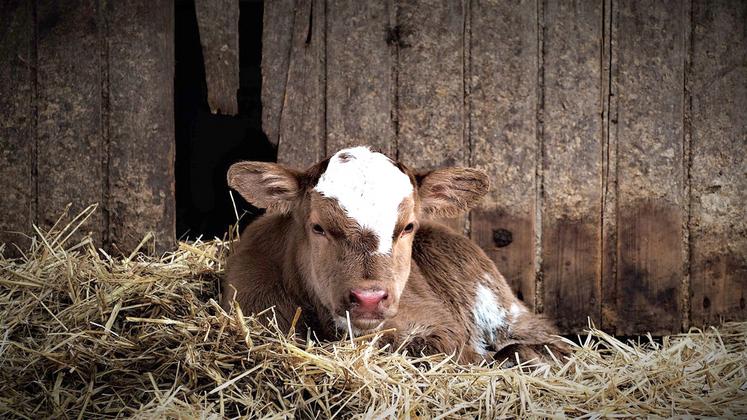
x=265, y=185
x=448, y=192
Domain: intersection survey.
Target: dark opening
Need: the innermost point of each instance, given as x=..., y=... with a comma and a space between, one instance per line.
x=207, y=144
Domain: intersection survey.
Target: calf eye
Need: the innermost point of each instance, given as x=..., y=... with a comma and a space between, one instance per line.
x=408, y=229
x=317, y=229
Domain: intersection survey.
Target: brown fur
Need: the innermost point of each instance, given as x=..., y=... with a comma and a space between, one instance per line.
x=430, y=276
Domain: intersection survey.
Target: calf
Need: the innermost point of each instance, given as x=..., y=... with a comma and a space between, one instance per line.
x=350, y=238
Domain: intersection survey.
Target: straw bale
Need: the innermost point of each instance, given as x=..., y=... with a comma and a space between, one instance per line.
x=84, y=334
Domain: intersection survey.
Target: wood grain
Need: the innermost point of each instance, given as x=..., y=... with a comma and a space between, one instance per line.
x=572, y=164
x=69, y=128
x=650, y=169
x=503, y=112
x=360, y=92
x=302, y=128
x=718, y=89
x=431, y=84
x=277, y=18
x=17, y=151
x=141, y=163
x=218, y=22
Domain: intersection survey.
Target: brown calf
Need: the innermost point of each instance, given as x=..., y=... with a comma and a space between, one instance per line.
x=349, y=238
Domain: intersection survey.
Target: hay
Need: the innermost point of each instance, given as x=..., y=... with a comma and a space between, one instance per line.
x=83, y=334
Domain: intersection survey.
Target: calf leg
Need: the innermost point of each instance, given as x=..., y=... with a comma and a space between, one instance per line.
x=256, y=301
x=427, y=327
x=531, y=337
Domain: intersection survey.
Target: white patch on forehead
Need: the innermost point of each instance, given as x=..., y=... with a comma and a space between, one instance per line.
x=489, y=318
x=369, y=188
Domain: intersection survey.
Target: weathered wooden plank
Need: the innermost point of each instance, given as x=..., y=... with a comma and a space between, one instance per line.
x=69, y=128
x=503, y=103
x=650, y=81
x=572, y=136
x=17, y=186
x=277, y=18
x=218, y=21
x=431, y=84
x=302, y=128
x=718, y=88
x=360, y=92
x=141, y=149
x=429, y=36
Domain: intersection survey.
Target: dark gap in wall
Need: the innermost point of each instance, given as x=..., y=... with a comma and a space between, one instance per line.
x=207, y=144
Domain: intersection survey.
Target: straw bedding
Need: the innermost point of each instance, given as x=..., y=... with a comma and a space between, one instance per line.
x=83, y=334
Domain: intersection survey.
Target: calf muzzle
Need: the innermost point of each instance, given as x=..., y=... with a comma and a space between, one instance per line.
x=368, y=303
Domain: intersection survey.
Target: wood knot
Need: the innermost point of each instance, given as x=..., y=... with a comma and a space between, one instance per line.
x=502, y=237
x=396, y=35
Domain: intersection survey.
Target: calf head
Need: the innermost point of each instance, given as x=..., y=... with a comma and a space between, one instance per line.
x=354, y=219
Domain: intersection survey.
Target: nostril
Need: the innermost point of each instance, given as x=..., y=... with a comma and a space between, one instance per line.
x=383, y=297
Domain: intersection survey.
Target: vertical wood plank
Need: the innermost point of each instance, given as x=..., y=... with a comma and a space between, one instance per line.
x=69, y=130
x=141, y=145
x=430, y=87
x=431, y=84
x=718, y=89
x=503, y=104
x=302, y=128
x=359, y=94
x=571, y=214
x=17, y=185
x=276, y=45
x=218, y=22
x=650, y=81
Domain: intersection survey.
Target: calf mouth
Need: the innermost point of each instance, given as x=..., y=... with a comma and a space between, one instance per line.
x=359, y=325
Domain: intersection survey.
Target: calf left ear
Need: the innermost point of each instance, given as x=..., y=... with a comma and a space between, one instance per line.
x=450, y=191
x=265, y=185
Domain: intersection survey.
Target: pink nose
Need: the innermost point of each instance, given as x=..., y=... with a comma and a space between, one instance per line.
x=367, y=299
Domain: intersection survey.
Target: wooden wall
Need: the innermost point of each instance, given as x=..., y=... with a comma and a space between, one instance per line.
x=86, y=101
x=614, y=133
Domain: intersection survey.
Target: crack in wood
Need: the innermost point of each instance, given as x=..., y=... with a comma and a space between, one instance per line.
x=539, y=290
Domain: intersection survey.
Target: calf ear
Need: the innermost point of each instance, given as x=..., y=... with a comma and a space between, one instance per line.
x=451, y=191
x=265, y=185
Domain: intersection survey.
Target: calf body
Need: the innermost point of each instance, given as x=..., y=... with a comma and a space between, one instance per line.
x=350, y=239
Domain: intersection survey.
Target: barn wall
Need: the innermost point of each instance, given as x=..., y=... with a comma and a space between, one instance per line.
x=17, y=147
x=86, y=101
x=613, y=131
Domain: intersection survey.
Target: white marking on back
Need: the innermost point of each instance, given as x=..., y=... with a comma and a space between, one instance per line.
x=369, y=188
x=489, y=318
x=516, y=310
